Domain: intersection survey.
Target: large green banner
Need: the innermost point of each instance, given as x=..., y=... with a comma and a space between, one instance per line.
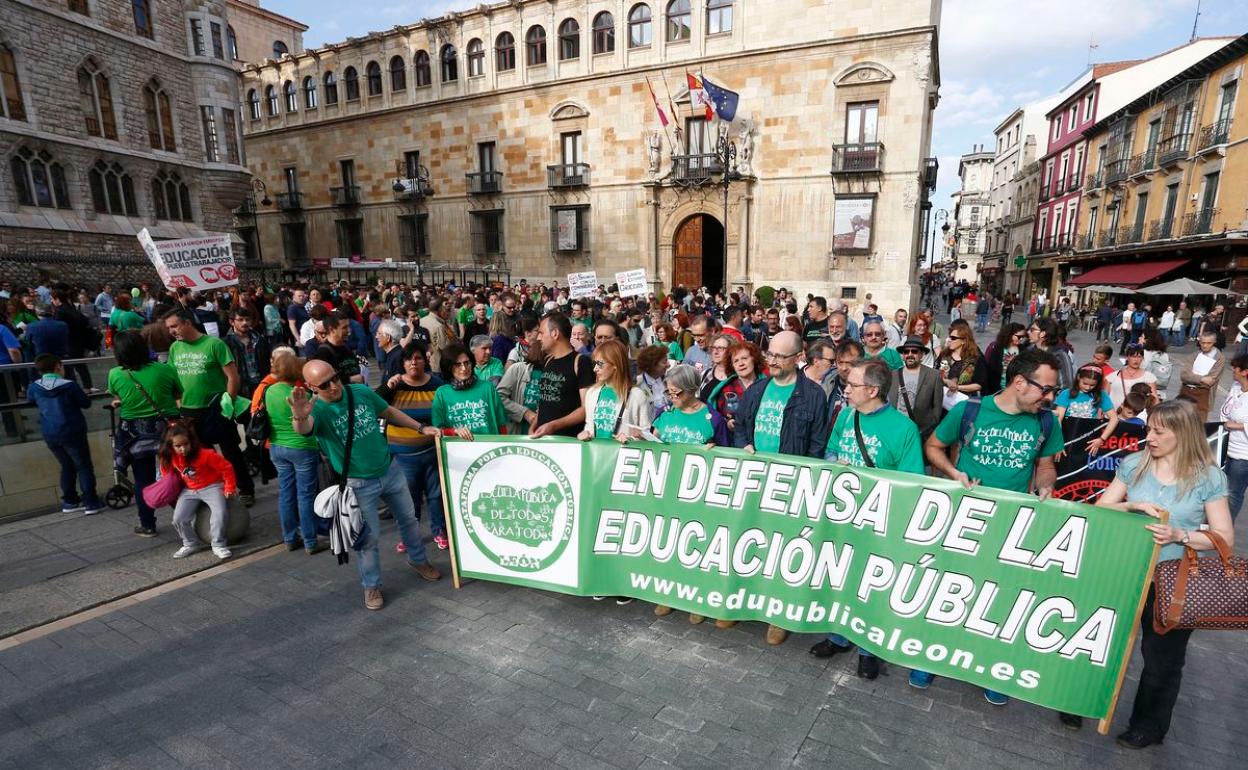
x=1033, y=599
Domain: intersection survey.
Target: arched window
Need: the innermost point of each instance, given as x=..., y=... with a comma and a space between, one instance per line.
x=372, y=71
x=678, y=18
x=270, y=100
x=351, y=79
x=309, y=93
x=292, y=99
x=569, y=40
x=11, y=105
x=331, y=88
x=424, y=76
x=639, y=32
x=450, y=64
x=112, y=190
x=476, y=58
x=39, y=180
x=604, y=33
x=535, y=45
x=97, y=100
x=718, y=16
x=253, y=104
x=398, y=74
x=279, y=49
x=504, y=52
x=142, y=10
x=232, y=41
x=172, y=197
x=159, y=117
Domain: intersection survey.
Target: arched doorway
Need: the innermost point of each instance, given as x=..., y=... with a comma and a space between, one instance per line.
x=698, y=252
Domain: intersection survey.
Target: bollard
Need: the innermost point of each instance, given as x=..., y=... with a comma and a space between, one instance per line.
x=236, y=525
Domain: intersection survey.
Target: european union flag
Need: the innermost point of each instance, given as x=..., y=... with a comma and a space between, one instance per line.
x=725, y=101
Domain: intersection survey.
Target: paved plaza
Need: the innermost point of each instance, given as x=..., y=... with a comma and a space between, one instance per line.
x=272, y=662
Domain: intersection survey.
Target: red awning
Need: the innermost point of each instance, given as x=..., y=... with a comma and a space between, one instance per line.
x=1130, y=275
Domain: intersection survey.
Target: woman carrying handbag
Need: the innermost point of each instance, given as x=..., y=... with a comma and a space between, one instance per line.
x=1175, y=472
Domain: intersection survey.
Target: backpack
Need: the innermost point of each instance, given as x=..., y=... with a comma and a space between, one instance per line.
x=1162, y=369
x=967, y=428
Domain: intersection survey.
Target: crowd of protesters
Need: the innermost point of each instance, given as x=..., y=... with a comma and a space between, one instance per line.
x=770, y=374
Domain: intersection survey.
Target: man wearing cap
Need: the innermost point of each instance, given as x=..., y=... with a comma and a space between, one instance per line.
x=917, y=390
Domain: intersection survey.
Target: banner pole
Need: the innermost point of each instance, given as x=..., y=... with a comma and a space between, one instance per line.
x=446, y=513
x=1102, y=726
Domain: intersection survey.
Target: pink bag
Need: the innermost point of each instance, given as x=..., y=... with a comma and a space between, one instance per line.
x=164, y=491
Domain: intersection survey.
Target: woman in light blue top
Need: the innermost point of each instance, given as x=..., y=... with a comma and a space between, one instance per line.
x=1176, y=472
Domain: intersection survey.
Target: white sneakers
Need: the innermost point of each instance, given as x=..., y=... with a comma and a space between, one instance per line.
x=187, y=550
x=221, y=552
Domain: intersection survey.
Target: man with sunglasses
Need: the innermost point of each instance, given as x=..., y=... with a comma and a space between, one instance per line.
x=1005, y=442
x=916, y=390
x=875, y=345
x=373, y=474
x=784, y=413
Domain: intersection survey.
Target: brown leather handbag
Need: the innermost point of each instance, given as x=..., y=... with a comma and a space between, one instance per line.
x=1208, y=593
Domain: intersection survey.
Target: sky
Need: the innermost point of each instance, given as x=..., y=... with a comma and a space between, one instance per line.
x=995, y=55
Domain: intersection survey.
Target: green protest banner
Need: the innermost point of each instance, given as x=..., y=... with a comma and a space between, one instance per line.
x=1038, y=600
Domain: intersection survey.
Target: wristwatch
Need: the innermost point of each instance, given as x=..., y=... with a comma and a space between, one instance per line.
x=1186, y=537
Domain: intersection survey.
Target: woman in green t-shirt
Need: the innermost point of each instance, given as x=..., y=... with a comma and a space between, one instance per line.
x=614, y=405
x=294, y=455
x=466, y=405
x=146, y=394
x=123, y=318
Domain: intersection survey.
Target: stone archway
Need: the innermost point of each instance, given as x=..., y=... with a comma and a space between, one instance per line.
x=698, y=253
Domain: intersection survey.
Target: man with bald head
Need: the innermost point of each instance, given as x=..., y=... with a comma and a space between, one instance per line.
x=372, y=472
x=784, y=413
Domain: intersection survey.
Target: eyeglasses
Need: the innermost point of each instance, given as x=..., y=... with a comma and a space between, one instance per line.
x=829, y=360
x=462, y=363
x=719, y=347
x=674, y=393
x=509, y=308
x=911, y=352
x=1045, y=390
x=1020, y=335
x=780, y=356
x=324, y=386
x=600, y=364
x=873, y=334
x=849, y=384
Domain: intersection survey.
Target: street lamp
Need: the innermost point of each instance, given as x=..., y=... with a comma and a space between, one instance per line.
x=258, y=188
x=726, y=157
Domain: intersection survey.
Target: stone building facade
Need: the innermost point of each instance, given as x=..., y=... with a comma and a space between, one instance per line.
x=523, y=138
x=116, y=116
x=971, y=212
x=256, y=33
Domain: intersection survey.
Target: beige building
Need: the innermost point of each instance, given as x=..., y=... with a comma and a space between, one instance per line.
x=256, y=33
x=522, y=137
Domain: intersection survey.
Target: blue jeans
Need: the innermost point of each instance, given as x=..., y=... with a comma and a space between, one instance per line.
x=1236, y=482
x=297, y=483
x=981, y=321
x=75, y=458
x=392, y=487
x=1177, y=336
x=841, y=641
x=421, y=471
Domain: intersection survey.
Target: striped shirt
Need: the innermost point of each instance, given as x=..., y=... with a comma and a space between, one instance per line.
x=416, y=402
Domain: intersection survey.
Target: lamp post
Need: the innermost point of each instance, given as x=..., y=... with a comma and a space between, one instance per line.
x=939, y=216
x=258, y=188
x=726, y=157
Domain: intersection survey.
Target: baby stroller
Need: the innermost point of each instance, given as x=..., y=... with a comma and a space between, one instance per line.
x=121, y=493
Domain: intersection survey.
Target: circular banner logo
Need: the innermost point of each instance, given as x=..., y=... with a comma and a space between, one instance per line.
x=518, y=506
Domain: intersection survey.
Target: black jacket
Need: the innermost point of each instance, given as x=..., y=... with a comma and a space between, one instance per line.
x=806, y=426
x=249, y=378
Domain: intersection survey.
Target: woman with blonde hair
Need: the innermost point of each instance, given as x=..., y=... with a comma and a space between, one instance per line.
x=1175, y=473
x=614, y=404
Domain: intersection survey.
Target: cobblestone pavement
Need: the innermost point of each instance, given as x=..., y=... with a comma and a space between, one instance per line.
x=276, y=664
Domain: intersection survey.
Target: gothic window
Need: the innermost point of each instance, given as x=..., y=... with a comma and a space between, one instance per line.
x=142, y=17
x=159, y=117
x=39, y=181
x=97, y=100
x=112, y=190
x=172, y=197
x=11, y=105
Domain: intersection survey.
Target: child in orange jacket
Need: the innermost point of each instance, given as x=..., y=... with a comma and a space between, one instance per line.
x=207, y=477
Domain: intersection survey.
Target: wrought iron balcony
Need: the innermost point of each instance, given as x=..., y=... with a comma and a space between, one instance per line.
x=567, y=175
x=1106, y=238
x=696, y=169
x=1131, y=234
x=1072, y=184
x=1160, y=228
x=485, y=183
x=1089, y=241
x=1062, y=241
x=1094, y=182
x=347, y=195
x=1215, y=134
x=1142, y=163
x=412, y=189
x=1045, y=192
x=1116, y=170
x=1039, y=245
x=1199, y=222
x=931, y=169
x=1173, y=149
x=862, y=157
x=290, y=201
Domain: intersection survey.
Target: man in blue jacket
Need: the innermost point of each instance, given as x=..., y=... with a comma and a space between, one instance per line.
x=785, y=413
x=60, y=402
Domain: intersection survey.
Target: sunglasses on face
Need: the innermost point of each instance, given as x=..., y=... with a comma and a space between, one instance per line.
x=873, y=334
x=911, y=352
x=324, y=386
x=1045, y=390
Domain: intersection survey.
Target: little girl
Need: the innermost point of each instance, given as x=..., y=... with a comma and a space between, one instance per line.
x=206, y=476
x=1086, y=399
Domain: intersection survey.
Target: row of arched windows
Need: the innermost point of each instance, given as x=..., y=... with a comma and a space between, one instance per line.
x=602, y=40
x=39, y=180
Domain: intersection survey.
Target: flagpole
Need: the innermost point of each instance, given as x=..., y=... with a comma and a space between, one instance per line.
x=671, y=106
x=670, y=147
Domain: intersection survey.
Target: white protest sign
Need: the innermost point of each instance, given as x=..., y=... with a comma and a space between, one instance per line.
x=582, y=284
x=193, y=263
x=631, y=283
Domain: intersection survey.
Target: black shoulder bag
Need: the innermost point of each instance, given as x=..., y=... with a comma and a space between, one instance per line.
x=862, y=446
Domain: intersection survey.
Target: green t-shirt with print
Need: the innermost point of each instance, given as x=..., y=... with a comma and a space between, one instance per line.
x=676, y=426
x=370, y=456
x=478, y=408
x=770, y=416
x=199, y=367
x=605, y=412
x=282, y=432
x=888, y=356
x=891, y=438
x=1003, y=448
x=160, y=382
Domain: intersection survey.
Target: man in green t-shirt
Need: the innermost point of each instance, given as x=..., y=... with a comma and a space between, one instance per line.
x=1004, y=447
x=875, y=345
x=371, y=472
x=891, y=441
x=207, y=373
